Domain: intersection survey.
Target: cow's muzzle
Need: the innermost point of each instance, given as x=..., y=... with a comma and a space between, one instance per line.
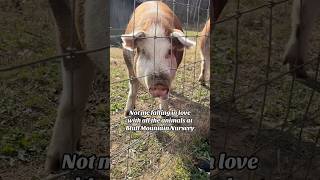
x=159, y=90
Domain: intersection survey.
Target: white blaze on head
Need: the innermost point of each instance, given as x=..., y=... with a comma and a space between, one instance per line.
x=154, y=51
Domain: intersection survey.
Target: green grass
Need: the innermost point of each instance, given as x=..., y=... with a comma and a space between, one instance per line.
x=27, y=111
x=253, y=56
x=153, y=155
x=29, y=96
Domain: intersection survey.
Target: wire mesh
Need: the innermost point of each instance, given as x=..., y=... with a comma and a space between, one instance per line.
x=260, y=110
x=186, y=91
x=142, y=157
x=303, y=143
x=41, y=74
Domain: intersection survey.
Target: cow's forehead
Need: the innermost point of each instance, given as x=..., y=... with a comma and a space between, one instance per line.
x=158, y=45
x=155, y=29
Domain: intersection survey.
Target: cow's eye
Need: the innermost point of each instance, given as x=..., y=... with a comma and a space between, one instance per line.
x=169, y=52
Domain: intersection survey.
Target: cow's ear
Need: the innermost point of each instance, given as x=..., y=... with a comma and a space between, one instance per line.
x=129, y=41
x=182, y=41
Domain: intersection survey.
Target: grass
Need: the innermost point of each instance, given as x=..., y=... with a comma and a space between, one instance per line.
x=253, y=56
x=162, y=155
x=253, y=38
x=29, y=96
x=27, y=111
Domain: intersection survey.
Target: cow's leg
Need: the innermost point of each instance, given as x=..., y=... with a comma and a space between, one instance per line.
x=205, y=67
x=202, y=71
x=95, y=32
x=132, y=96
x=67, y=128
x=133, y=83
x=77, y=77
x=304, y=13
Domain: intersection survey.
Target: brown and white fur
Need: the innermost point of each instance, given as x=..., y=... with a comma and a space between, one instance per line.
x=205, y=53
x=303, y=18
x=304, y=15
x=89, y=32
x=153, y=62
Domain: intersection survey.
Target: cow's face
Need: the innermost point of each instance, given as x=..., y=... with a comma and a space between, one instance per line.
x=155, y=57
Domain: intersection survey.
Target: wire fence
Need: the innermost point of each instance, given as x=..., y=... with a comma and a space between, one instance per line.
x=186, y=84
x=292, y=144
x=141, y=157
x=260, y=110
x=69, y=59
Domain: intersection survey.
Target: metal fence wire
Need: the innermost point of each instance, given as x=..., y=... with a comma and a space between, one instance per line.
x=142, y=153
x=288, y=147
x=257, y=108
x=69, y=59
x=187, y=89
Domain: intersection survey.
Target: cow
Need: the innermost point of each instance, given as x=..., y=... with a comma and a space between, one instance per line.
x=218, y=6
x=205, y=52
x=81, y=25
x=153, y=47
x=303, y=17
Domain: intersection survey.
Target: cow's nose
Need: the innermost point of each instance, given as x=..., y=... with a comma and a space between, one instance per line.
x=159, y=90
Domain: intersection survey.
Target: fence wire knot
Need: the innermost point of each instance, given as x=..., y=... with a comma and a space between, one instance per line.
x=271, y=4
x=70, y=61
x=238, y=14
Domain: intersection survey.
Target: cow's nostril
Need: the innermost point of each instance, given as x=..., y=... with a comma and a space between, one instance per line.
x=159, y=90
x=163, y=88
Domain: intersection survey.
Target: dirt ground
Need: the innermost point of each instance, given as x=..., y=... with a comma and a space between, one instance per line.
x=29, y=96
x=165, y=155
x=248, y=126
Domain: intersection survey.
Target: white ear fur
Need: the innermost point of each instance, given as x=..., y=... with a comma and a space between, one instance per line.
x=183, y=39
x=128, y=39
